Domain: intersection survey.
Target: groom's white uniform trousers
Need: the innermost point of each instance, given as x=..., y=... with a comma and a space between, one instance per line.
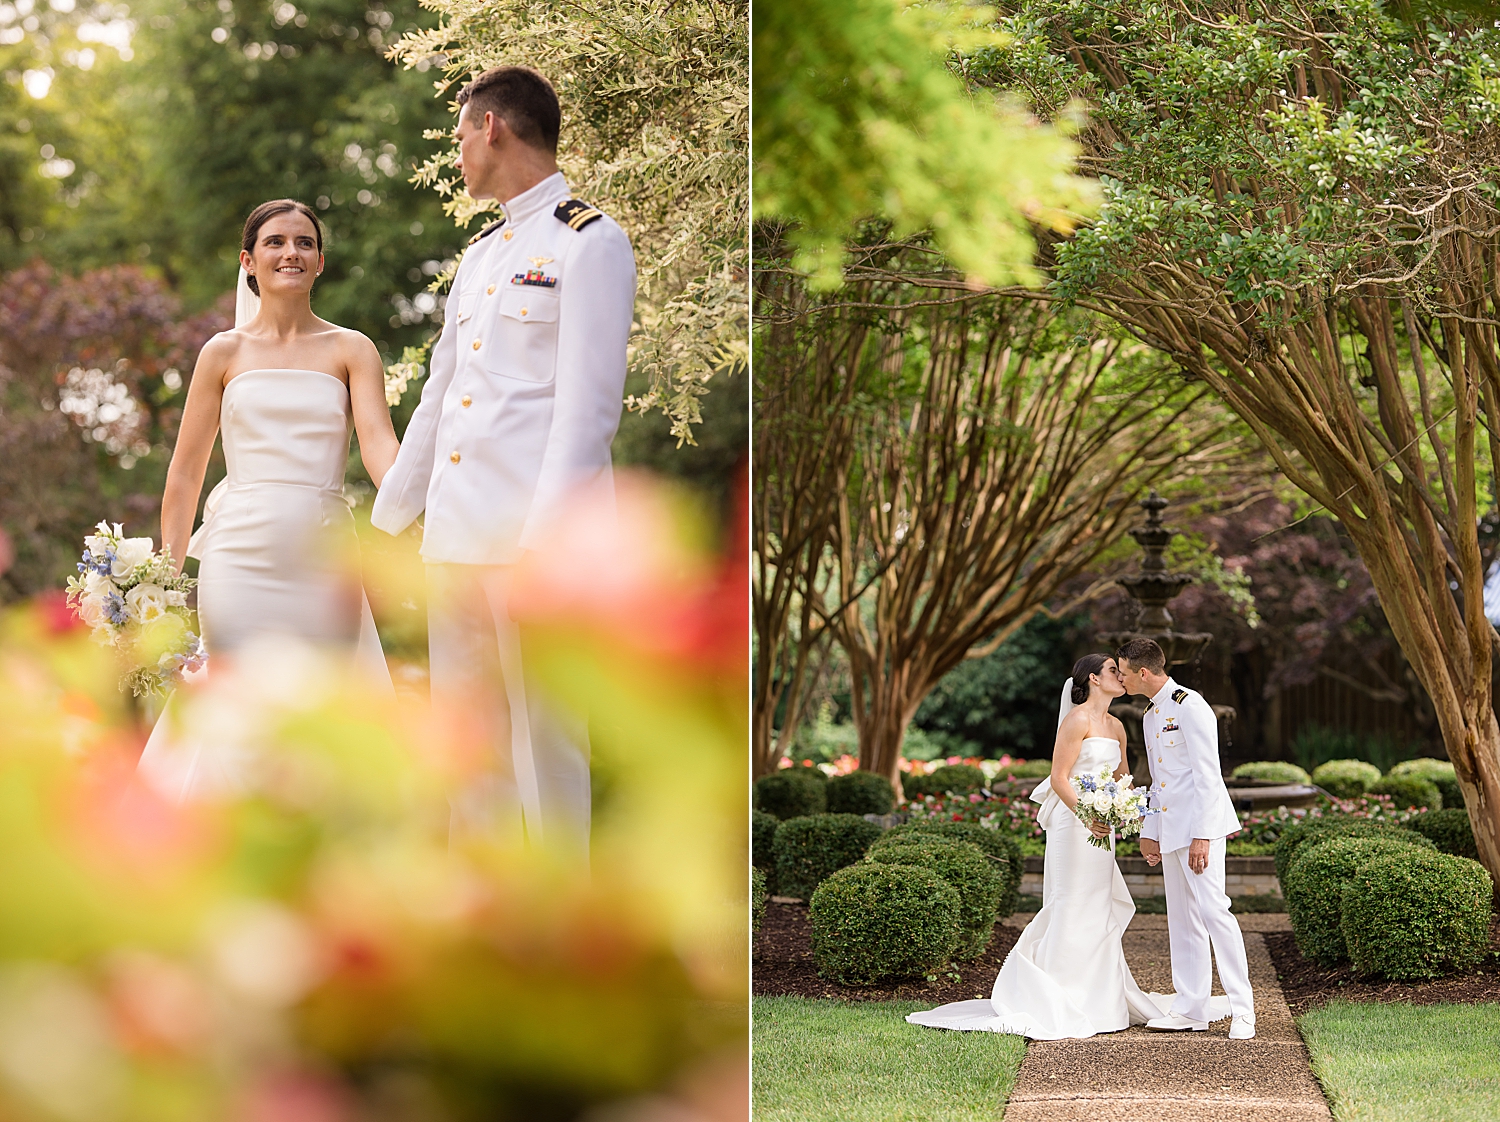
x=516, y=419
x=1182, y=742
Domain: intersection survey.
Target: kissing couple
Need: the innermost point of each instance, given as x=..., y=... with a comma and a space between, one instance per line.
x=1066, y=977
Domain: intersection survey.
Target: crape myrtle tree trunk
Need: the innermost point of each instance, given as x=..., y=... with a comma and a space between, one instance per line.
x=803, y=428
x=1301, y=210
x=980, y=453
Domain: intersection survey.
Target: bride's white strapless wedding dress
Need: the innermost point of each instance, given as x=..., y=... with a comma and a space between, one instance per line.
x=276, y=548
x=1066, y=977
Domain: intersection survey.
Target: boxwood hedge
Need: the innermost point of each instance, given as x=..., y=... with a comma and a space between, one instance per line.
x=1000, y=848
x=1271, y=771
x=860, y=792
x=809, y=848
x=1408, y=791
x=874, y=921
x=1346, y=779
x=968, y=869
x=1336, y=825
x=1439, y=773
x=1448, y=829
x=1314, y=888
x=758, y=896
x=957, y=778
x=1413, y=915
x=791, y=793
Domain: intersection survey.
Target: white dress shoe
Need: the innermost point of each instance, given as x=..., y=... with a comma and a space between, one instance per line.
x=1242, y=1028
x=1176, y=1022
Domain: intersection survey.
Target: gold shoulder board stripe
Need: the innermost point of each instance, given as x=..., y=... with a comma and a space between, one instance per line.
x=1179, y=696
x=576, y=214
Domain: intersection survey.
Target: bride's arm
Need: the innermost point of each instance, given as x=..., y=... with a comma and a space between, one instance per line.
x=1065, y=754
x=372, y=417
x=1124, y=767
x=195, y=442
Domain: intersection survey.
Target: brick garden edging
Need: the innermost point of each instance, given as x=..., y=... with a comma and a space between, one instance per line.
x=1243, y=876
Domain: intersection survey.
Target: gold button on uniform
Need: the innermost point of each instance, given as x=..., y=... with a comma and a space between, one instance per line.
x=467, y=401
x=454, y=457
x=490, y=290
x=524, y=311
x=507, y=234
x=476, y=344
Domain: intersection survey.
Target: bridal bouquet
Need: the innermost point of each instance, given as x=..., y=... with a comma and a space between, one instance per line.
x=1103, y=798
x=131, y=597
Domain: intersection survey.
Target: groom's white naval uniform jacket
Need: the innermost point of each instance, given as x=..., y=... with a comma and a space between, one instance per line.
x=516, y=419
x=1187, y=787
x=1182, y=746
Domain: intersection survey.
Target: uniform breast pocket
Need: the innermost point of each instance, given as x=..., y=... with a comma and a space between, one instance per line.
x=463, y=307
x=527, y=326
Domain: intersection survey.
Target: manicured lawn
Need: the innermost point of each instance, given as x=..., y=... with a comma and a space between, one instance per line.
x=831, y=1061
x=1407, y=1063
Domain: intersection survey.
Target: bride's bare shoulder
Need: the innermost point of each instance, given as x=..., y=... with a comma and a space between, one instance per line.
x=220, y=350
x=1075, y=723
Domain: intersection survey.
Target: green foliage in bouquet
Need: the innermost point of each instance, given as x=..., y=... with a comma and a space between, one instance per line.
x=1003, y=849
x=1448, y=829
x=957, y=779
x=1271, y=771
x=980, y=883
x=1312, y=830
x=860, y=792
x=1439, y=773
x=871, y=922
x=1346, y=779
x=1409, y=916
x=1409, y=791
x=1314, y=888
x=792, y=793
x=810, y=848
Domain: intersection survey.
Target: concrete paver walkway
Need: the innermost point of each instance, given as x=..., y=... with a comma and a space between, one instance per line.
x=1144, y=1076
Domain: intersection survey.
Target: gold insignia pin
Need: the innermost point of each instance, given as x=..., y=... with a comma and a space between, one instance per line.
x=538, y=262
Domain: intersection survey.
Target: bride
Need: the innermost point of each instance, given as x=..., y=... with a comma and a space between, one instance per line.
x=277, y=546
x=1066, y=977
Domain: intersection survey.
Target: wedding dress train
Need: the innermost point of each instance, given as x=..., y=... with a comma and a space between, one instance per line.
x=276, y=550
x=1066, y=977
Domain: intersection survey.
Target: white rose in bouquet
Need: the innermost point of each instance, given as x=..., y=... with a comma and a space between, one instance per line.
x=130, y=553
x=146, y=603
x=91, y=611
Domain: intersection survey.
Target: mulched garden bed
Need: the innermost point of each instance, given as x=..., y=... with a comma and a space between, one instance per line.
x=1308, y=985
x=783, y=966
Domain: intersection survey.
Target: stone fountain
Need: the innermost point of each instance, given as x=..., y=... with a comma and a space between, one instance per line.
x=1152, y=589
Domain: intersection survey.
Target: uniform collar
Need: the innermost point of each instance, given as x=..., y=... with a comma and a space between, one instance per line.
x=545, y=195
x=1165, y=691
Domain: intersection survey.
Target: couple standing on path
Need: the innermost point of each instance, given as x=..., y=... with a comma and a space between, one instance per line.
x=1066, y=977
x=515, y=424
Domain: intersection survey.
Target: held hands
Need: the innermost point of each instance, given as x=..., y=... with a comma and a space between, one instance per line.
x=1151, y=851
x=1099, y=829
x=1198, y=855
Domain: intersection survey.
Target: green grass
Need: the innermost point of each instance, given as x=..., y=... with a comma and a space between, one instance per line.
x=833, y=1061
x=1406, y=1063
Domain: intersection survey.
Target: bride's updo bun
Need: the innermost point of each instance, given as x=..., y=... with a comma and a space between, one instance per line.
x=1087, y=665
x=264, y=213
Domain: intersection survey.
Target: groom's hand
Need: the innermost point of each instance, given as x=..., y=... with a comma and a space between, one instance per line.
x=1151, y=851
x=1099, y=829
x=1198, y=855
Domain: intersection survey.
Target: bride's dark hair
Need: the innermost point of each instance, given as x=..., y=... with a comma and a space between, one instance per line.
x=264, y=213
x=1085, y=666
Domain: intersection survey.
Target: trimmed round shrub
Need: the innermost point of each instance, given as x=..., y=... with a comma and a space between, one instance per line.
x=860, y=792
x=1314, y=885
x=875, y=921
x=955, y=778
x=1414, y=915
x=965, y=866
x=1449, y=830
x=1346, y=779
x=1409, y=791
x=1025, y=769
x=1312, y=830
x=763, y=829
x=1002, y=849
x=758, y=896
x=1439, y=773
x=791, y=793
x=1271, y=771
x=808, y=849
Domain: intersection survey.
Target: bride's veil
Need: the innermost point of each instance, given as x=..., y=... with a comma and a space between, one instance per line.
x=1067, y=705
x=246, y=303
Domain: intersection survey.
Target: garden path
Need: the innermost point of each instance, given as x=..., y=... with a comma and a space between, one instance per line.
x=1144, y=1076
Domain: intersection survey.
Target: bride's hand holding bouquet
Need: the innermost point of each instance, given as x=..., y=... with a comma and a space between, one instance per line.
x=133, y=599
x=1109, y=807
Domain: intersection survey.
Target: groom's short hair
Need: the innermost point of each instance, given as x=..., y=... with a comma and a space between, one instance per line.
x=523, y=98
x=1143, y=654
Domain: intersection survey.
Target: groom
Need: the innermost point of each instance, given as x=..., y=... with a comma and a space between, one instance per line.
x=1187, y=840
x=525, y=394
